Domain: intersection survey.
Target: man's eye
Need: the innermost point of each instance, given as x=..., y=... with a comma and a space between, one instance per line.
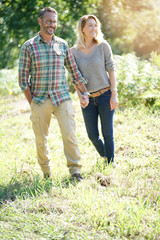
x=51, y=22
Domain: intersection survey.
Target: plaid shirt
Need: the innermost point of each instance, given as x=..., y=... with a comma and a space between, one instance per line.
x=42, y=67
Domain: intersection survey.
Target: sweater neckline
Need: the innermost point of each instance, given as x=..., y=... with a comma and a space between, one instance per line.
x=87, y=55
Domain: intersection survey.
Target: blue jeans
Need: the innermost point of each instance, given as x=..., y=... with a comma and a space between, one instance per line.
x=100, y=106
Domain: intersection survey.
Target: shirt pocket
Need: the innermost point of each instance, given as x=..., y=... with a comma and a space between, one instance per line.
x=59, y=59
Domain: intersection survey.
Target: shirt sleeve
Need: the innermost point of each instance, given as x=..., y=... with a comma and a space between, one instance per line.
x=71, y=66
x=24, y=66
x=109, y=61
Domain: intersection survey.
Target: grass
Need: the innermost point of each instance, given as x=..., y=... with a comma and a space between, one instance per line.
x=34, y=208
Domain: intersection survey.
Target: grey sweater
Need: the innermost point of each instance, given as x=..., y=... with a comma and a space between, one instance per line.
x=94, y=66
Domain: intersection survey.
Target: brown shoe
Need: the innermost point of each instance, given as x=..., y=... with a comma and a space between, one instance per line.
x=47, y=175
x=78, y=177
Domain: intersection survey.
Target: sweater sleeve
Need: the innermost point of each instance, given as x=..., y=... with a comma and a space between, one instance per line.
x=108, y=56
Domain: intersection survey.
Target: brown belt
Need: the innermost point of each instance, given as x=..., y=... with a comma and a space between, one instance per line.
x=99, y=92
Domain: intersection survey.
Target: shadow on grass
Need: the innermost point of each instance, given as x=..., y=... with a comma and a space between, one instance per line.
x=23, y=188
x=31, y=187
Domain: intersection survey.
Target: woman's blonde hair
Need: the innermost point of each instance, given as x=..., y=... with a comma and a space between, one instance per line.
x=82, y=21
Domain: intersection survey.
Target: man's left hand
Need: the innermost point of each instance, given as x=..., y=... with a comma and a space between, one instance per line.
x=84, y=100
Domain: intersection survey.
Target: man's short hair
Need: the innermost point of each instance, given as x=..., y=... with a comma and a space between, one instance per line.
x=47, y=9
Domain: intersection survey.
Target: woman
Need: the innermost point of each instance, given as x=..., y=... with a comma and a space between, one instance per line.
x=93, y=56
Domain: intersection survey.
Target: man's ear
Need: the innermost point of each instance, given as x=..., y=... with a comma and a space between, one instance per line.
x=39, y=21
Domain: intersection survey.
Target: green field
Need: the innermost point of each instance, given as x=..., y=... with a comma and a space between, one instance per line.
x=128, y=207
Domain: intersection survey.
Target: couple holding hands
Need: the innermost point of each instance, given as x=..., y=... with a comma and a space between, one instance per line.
x=42, y=78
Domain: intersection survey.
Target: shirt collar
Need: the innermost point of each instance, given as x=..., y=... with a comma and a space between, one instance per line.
x=54, y=38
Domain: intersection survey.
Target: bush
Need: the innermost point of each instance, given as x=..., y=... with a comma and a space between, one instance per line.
x=9, y=82
x=137, y=80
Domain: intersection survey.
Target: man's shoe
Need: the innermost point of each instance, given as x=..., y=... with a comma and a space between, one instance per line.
x=78, y=177
x=47, y=175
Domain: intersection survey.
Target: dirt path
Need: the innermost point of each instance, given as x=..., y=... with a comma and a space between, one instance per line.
x=14, y=105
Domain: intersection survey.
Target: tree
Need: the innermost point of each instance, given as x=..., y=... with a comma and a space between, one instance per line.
x=147, y=39
x=131, y=25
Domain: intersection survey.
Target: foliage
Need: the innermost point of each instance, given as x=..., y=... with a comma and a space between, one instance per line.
x=9, y=82
x=34, y=208
x=155, y=59
x=148, y=36
x=138, y=81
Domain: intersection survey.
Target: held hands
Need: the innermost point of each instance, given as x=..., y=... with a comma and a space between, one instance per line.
x=114, y=100
x=84, y=100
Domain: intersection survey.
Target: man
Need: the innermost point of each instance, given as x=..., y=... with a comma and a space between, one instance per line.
x=42, y=79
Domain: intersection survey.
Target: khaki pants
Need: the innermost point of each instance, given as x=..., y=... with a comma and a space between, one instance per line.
x=40, y=117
